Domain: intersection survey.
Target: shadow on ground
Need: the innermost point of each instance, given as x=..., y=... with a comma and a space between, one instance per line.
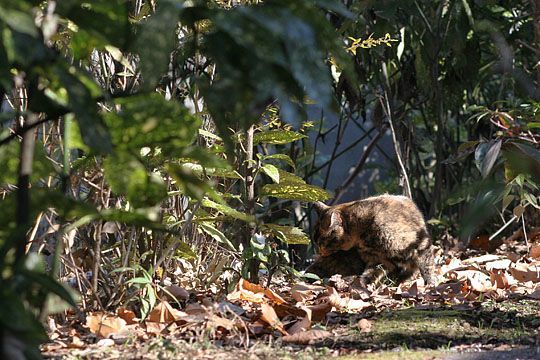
x=493, y=324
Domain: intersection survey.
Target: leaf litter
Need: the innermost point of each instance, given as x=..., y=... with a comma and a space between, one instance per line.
x=300, y=313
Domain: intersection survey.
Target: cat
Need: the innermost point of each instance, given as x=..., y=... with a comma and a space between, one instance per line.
x=342, y=262
x=388, y=232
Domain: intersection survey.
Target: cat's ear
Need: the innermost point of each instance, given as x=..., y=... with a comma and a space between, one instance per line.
x=320, y=207
x=336, y=220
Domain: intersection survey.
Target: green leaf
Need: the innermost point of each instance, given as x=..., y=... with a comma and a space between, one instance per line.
x=152, y=121
x=82, y=92
x=127, y=175
x=209, y=135
x=188, y=182
x=210, y=229
x=288, y=234
x=282, y=157
x=184, y=251
x=486, y=155
x=155, y=41
x=227, y=210
x=98, y=23
x=271, y=171
x=218, y=172
x=521, y=159
x=19, y=21
x=287, y=178
x=50, y=285
x=277, y=137
x=299, y=192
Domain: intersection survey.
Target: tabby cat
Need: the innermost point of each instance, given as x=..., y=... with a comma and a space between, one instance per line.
x=387, y=231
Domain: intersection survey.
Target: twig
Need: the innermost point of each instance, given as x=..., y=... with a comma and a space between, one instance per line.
x=525, y=234
x=503, y=227
x=21, y=130
x=406, y=184
x=343, y=188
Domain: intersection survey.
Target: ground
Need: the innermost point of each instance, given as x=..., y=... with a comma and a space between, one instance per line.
x=483, y=307
x=505, y=330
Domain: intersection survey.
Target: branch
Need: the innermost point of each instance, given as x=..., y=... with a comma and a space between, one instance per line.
x=359, y=165
x=20, y=131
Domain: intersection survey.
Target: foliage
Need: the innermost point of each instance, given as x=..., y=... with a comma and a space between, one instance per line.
x=174, y=135
x=114, y=157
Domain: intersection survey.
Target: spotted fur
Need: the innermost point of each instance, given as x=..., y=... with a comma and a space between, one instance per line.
x=388, y=232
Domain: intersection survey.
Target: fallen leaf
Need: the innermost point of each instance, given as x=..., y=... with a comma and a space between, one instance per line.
x=499, y=278
x=482, y=259
x=175, y=292
x=535, y=251
x=195, y=309
x=269, y=316
x=303, y=324
x=364, y=325
x=307, y=337
x=226, y=307
x=535, y=294
x=526, y=272
x=337, y=282
x=155, y=327
x=346, y=304
x=300, y=326
x=165, y=313
x=303, y=292
x=502, y=264
x=478, y=280
x=105, y=342
x=128, y=315
x=218, y=321
x=257, y=328
x=255, y=288
x=254, y=293
x=481, y=242
x=103, y=324
x=319, y=311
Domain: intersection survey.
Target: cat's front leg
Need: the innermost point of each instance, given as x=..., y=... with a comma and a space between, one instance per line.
x=374, y=273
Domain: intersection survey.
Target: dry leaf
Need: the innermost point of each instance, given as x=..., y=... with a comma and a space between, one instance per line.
x=255, y=288
x=269, y=316
x=195, y=309
x=128, y=315
x=105, y=342
x=307, y=337
x=104, y=325
x=478, y=280
x=364, y=325
x=535, y=251
x=300, y=326
x=346, y=304
x=257, y=328
x=481, y=242
x=177, y=292
x=217, y=321
x=535, y=294
x=165, y=313
x=319, y=311
x=526, y=272
x=499, y=278
x=155, y=327
x=502, y=264
x=302, y=292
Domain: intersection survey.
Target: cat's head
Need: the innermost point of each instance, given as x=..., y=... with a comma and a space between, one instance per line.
x=330, y=235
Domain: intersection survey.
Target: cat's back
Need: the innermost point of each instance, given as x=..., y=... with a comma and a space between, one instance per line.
x=385, y=208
